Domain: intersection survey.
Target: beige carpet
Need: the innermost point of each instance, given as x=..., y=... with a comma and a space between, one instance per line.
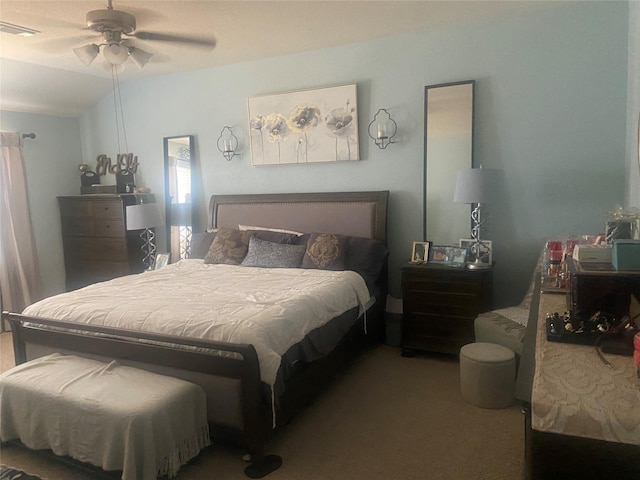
x=386, y=418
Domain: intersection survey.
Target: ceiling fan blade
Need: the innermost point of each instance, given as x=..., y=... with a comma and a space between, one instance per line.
x=163, y=37
x=57, y=45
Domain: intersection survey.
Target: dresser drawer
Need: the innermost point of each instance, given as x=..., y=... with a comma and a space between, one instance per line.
x=87, y=226
x=107, y=209
x=74, y=208
x=108, y=249
x=70, y=207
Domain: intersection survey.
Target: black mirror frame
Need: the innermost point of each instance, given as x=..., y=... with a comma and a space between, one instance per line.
x=471, y=160
x=195, y=190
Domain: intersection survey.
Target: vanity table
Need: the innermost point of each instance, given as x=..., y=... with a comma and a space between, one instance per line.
x=582, y=418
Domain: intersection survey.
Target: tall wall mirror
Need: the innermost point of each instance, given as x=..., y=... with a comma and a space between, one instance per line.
x=448, y=148
x=179, y=194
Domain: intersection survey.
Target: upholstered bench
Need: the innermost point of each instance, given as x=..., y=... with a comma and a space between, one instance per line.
x=487, y=375
x=109, y=415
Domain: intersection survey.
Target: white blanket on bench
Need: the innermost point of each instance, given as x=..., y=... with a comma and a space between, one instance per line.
x=109, y=415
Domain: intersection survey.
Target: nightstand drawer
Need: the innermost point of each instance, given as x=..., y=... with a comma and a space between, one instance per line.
x=437, y=325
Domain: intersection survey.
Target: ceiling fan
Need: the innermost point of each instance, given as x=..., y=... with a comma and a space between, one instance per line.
x=117, y=28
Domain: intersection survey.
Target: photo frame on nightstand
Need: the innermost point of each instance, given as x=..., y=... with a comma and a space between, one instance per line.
x=447, y=255
x=486, y=250
x=162, y=259
x=420, y=252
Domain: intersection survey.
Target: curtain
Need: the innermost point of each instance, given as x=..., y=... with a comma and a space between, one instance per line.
x=20, y=282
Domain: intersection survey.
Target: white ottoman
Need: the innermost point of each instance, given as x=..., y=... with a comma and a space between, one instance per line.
x=109, y=415
x=487, y=375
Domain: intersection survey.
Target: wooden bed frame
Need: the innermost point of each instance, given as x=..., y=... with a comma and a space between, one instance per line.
x=349, y=213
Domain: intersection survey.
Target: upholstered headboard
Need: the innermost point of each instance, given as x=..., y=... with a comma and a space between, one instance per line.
x=356, y=214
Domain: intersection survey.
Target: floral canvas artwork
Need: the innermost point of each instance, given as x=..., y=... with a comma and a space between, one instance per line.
x=307, y=126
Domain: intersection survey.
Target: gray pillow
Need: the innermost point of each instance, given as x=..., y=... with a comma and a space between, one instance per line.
x=273, y=255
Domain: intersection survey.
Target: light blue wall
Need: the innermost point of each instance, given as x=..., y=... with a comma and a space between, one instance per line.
x=51, y=164
x=550, y=111
x=633, y=106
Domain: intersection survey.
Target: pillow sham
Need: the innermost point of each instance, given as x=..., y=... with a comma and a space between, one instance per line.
x=273, y=255
x=325, y=251
x=275, y=237
x=229, y=247
x=200, y=243
x=367, y=257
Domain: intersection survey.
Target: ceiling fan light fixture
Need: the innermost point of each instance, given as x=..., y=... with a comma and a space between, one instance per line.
x=139, y=57
x=115, y=53
x=110, y=67
x=87, y=53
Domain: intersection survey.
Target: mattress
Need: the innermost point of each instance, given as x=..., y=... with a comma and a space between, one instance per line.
x=270, y=308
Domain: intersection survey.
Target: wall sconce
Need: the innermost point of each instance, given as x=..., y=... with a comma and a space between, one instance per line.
x=228, y=143
x=382, y=129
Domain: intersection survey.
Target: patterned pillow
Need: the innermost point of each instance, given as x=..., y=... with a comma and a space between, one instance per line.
x=229, y=247
x=273, y=255
x=325, y=251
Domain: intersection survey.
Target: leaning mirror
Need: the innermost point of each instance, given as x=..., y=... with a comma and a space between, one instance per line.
x=448, y=148
x=178, y=185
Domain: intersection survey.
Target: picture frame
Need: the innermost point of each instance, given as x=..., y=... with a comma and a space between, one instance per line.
x=486, y=253
x=317, y=125
x=420, y=252
x=162, y=259
x=448, y=255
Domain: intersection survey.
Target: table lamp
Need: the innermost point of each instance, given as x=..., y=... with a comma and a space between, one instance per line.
x=476, y=186
x=144, y=217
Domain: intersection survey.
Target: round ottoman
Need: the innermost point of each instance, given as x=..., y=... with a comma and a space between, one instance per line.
x=487, y=375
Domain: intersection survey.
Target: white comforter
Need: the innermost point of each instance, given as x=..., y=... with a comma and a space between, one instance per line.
x=270, y=308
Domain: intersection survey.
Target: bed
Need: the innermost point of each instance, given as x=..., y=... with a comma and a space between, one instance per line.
x=246, y=399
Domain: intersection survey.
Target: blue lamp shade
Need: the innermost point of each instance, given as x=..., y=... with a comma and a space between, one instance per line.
x=477, y=185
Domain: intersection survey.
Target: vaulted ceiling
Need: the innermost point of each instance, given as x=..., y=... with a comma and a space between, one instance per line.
x=41, y=74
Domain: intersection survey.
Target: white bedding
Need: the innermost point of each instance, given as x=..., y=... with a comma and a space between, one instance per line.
x=270, y=308
x=109, y=415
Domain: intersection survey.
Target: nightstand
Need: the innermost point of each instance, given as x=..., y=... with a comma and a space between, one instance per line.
x=440, y=304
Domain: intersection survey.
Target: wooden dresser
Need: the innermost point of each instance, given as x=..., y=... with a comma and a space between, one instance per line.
x=440, y=304
x=97, y=245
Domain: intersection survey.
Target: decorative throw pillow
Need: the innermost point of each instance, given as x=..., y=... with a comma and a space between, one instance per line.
x=229, y=246
x=200, y=243
x=273, y=255
x=325, y=251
